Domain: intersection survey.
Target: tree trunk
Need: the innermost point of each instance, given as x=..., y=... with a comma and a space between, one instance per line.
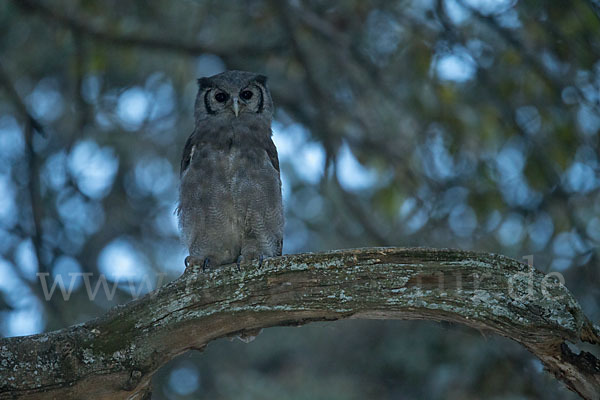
x=114, y=357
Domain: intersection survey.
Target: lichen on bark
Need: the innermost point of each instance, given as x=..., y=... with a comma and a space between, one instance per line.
x=114, y=356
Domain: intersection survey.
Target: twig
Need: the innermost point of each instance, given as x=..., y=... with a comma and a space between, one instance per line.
x=6, y=82
x=81, y=108
x=366, y=219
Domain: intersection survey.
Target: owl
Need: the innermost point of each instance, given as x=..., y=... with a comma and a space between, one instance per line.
x=230, y=207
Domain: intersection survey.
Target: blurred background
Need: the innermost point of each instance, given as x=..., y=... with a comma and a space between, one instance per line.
x=471, y=124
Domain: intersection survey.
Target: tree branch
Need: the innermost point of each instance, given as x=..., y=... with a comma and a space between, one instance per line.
x=6, y=82
x=31, y=126
x=554, y=82
x=36, y=201
x=595, y=6
x=82, y=26
x=114, y=357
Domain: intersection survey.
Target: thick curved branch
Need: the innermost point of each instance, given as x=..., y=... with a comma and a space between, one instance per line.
x=114, y=357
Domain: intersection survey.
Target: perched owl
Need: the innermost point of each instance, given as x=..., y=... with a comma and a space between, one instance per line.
x=230, y=207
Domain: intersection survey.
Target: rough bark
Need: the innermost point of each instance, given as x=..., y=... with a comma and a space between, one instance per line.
x=114, y=357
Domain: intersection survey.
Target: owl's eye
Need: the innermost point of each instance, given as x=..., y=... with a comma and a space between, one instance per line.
x=221, y=97
x=246, y=95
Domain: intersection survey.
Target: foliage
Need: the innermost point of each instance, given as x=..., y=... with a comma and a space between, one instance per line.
x=448, y=123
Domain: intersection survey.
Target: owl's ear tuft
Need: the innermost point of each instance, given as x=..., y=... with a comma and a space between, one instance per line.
x=262, y=79
x=203, y=83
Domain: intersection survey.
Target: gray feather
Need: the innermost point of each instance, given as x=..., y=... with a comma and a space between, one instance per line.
x=230, y=205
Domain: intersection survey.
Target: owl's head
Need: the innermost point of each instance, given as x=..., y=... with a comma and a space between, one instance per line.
x=233, y=94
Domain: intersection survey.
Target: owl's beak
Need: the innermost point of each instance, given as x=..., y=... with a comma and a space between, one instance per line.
x=236, y=106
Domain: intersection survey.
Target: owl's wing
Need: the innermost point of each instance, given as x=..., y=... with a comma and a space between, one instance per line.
x=186, y=158
x=272, y=153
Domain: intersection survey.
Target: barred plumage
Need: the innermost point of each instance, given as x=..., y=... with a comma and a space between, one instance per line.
x=230, y=206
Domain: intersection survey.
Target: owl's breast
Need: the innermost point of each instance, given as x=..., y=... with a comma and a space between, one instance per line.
x=225, y=175
x=230, y=190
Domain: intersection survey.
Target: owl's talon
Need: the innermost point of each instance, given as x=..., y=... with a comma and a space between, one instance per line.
x=261, y=258
x=190, y=262
x=206, y=264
